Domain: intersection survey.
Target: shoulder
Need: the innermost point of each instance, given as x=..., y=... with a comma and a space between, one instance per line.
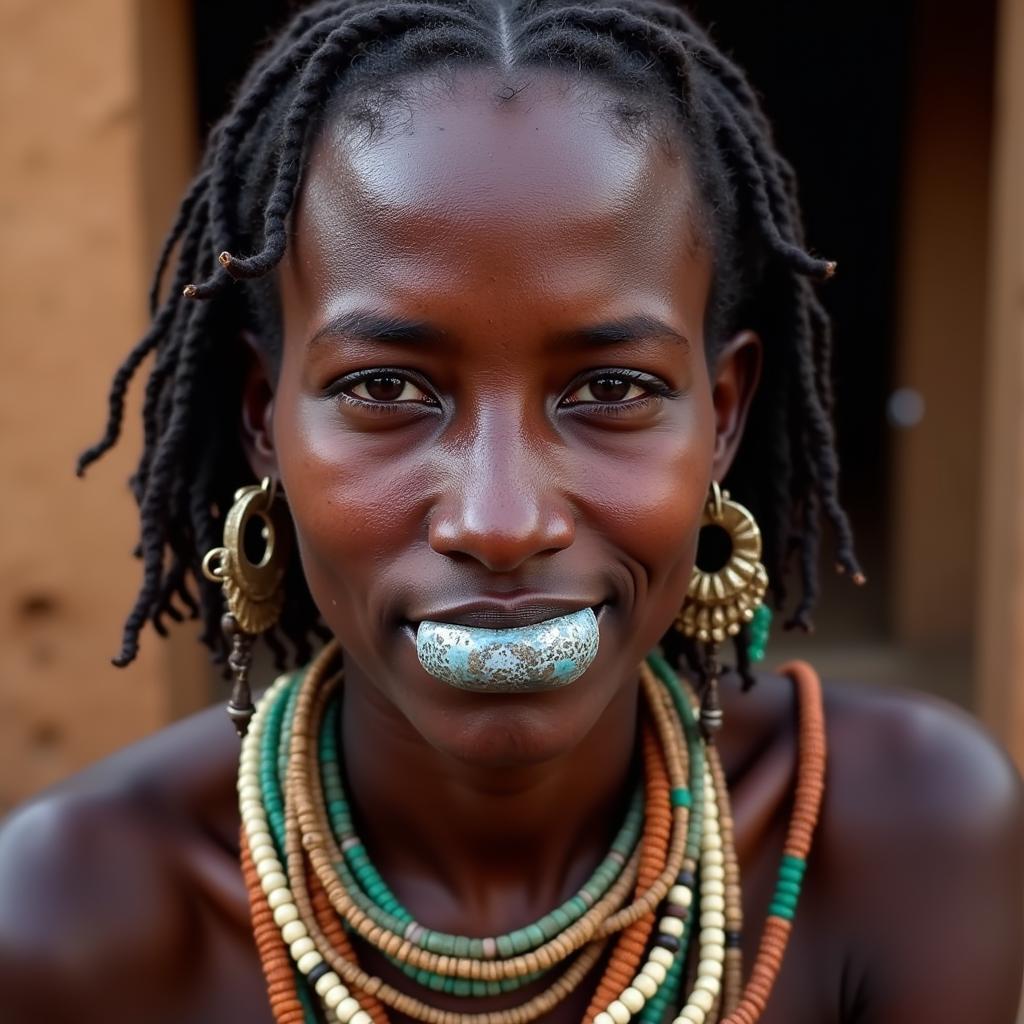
x=93, y=873
x=922, y=833
x=917, y=765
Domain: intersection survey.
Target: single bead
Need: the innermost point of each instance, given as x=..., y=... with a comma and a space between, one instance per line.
x=702, y=999
x=293, y=930
x=285, y=913
x=267, y=863
x=713, y=951
x=273, y=880
x=618, y=1012
x=708, y=984
x=656, y=971
x=671, y=926
x=710, y=969
x=669, y=942
x=253, y=816
x=334, y=996
x=681, y=896
x=709, y=901
x=712, y=919
x=603, y=1018
x=346, y=1009
x=633, y=999
x=307, y=962
x=646, y=985
x=261, y=853
x=362, y=1017
x=692, y=1014
x=661, y=956
x=709, y=935
x=300, y=947
x=325, y=982
x=278, y=898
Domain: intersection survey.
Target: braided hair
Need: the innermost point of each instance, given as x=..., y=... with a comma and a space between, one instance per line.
x=231, y=228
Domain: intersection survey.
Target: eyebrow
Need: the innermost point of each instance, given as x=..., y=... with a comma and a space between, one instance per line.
x=640, y=327
x=374, y=326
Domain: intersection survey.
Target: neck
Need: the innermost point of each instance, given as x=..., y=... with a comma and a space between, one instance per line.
x=479, y=849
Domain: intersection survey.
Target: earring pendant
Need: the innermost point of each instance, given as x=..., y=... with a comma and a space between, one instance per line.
x=253, y=586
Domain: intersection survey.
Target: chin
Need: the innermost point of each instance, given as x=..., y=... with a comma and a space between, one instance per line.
x=509, y=732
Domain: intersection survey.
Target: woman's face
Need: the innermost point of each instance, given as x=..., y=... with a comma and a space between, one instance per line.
x=493, y=405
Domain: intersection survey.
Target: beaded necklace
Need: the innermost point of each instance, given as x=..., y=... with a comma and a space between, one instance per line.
x=670, y=879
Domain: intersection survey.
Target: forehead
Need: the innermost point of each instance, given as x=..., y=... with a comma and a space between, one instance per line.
x=467, y=186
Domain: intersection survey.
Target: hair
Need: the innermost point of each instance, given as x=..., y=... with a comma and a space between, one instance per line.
x=231, y=228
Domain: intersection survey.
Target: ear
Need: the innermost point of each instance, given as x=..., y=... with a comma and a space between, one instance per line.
x=735, y=376
x=258, y=410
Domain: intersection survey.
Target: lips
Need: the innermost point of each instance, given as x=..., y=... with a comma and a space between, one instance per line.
x=507, y=614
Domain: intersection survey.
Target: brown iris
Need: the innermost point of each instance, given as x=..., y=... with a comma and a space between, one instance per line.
x=384, y=389
x=609, y=389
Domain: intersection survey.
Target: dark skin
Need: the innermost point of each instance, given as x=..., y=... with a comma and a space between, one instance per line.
x=496, y=265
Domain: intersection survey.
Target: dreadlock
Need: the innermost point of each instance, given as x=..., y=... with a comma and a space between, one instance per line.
x=231, y=229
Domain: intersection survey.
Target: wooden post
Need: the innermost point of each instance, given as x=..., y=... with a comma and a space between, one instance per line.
x=1000, y=624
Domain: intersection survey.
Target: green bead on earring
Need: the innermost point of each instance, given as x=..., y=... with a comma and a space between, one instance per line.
x=760, y=627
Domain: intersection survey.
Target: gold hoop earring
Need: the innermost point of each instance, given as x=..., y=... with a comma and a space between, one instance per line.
x=253, y=590
x=720, y=602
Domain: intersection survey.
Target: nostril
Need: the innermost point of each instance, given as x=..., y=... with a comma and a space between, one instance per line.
x=500, y=540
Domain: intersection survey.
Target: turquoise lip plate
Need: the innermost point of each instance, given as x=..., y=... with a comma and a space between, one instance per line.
x=545, y=656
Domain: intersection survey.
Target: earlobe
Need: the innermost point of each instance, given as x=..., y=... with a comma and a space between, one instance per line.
x=736, y=373
x=257, y=411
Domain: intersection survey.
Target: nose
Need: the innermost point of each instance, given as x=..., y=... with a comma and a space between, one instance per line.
x=505, y=502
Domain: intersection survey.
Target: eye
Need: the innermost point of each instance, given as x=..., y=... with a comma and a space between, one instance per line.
x=387, y=388
x=608, y=389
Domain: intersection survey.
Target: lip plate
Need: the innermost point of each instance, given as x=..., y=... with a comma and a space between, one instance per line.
x=546, y=656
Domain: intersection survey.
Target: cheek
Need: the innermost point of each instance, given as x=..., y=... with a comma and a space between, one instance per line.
x=353, y=500
x=648, y=501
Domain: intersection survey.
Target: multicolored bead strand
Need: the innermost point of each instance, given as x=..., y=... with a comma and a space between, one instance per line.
x=311, y=882
x=810, y=787
x=806, y=807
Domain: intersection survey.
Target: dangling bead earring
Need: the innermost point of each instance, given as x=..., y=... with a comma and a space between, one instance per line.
x=719, y=602
x=253, y=590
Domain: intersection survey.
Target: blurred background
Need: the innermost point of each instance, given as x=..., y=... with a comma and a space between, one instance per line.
x=905, y=120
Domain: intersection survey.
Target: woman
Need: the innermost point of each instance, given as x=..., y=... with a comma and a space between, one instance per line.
x=492, y=296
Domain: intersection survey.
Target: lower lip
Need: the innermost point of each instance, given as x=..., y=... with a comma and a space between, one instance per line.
x=548, y=655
